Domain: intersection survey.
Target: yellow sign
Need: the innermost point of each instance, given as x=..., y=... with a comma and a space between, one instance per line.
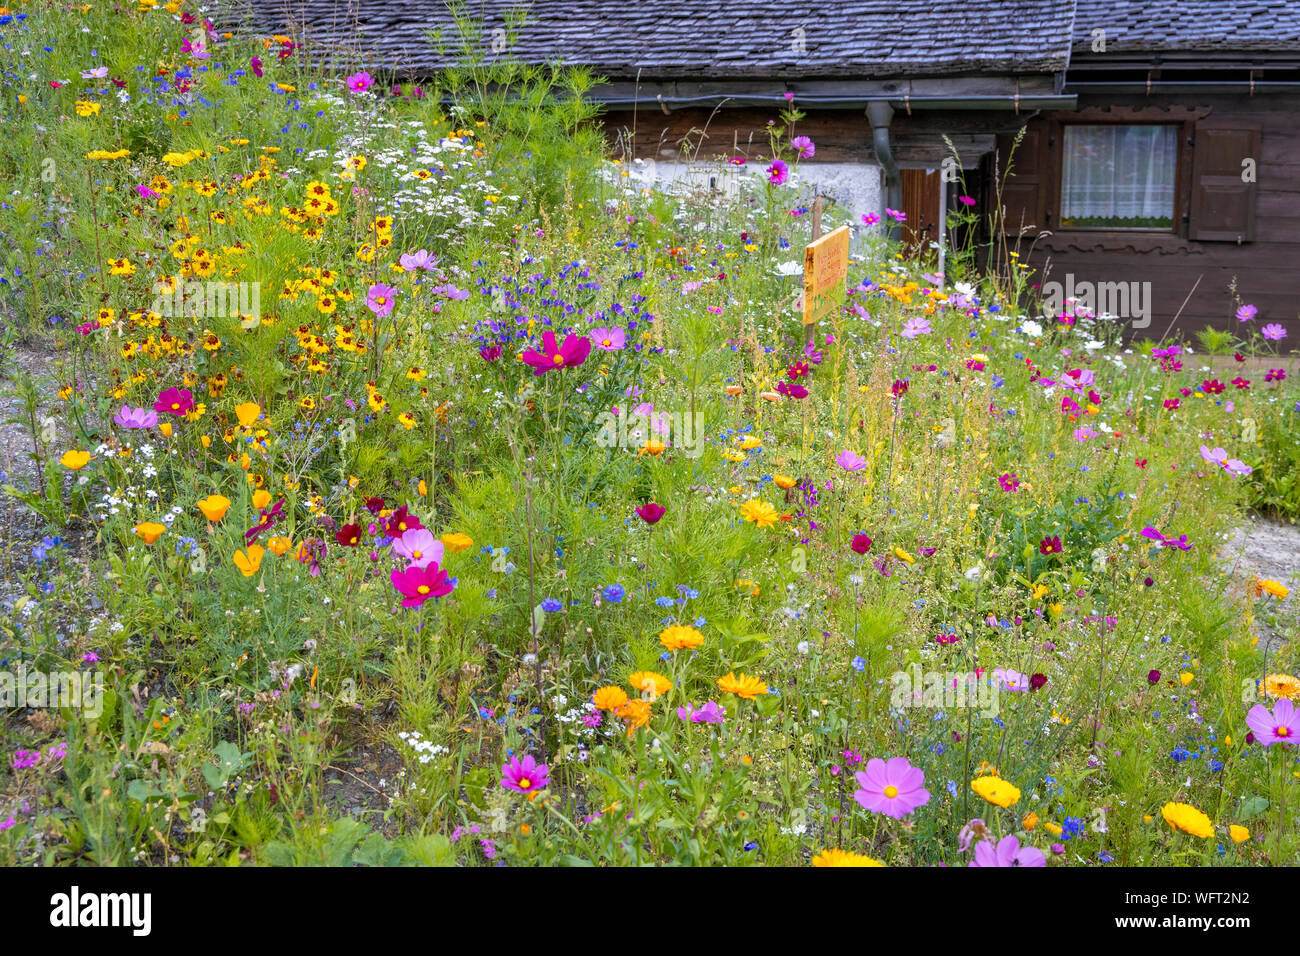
x=825, y=269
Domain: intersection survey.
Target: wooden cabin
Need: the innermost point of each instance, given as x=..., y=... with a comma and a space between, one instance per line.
x=1158, y=162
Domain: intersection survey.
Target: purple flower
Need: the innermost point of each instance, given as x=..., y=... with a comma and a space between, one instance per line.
x=608, y=339
x=360, y=82
x=1273, y=332
x=850, y=460
x=380, y=299
x=807, y=149
x=451, y=292
x=916, y=326
x=1010, y=680
x=893, y=788
x=1220, y=457
x=1282, y=726
x=417, y=260
x=524, y=776
x=710, y=713
x=129, y=417
x=896, y=214
x=778, y=172
x=1008, y=852
x=1246, y=313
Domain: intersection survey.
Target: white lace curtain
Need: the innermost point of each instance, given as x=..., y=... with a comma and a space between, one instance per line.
x=1119, y=172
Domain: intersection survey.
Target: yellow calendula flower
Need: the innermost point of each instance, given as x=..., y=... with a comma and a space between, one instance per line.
x=1238, y=833
x=456, y=541
x=742, y=685
x=74, y=460
x=1281, y=685
x=1185, y=817
x=760, y=513
x=836, y=857
x=609, y=698
x=676, y=637
x=996, y=790
x=784, y=482
x=650, y=683
x=1268, y=586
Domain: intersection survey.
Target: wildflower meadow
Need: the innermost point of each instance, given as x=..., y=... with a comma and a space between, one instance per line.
x=394, y=477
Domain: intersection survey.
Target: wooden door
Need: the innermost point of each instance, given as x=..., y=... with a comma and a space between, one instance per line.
x=921, y=204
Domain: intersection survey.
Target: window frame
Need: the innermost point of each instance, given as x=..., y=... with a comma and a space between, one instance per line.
x=1175, y=217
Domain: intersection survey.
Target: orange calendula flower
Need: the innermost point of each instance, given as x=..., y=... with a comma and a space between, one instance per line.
x=636, y=713
x=74, y=460
x=1281, y=685
x=214, y=507
x=456, y=541
x=784, y=482
x=648, y=682
x=249, y=563
x=149, y=531
x=609, y=698
x=742, y=685
x=1275, y=588
x=675, y=637
x=278, y=545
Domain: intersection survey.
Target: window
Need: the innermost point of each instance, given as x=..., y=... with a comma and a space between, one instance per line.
x=1119, y=177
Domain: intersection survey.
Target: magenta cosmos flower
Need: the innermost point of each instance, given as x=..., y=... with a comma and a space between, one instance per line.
x=419, y=547
x=1246, y=313
x=806, y=147
x=778, y=172
x=1282, y=726
x=129, y=417
x=1008, y=852
x=850, y=461
x=174, y=401
x=380, y=299
x=360, y=82
x=418, y=584
x=893, y=788
x=650, y=512
x=1273, y=332
x=608, y=339
x=573, y=352
x=710, y=713
x=524, y=776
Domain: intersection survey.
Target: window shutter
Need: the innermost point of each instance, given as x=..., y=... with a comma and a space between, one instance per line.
x=1024, y=191
x=1223, y=206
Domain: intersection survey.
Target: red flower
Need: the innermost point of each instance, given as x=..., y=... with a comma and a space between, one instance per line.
x=349, y=535
x=1037, y=681
x=1212, y=386
x=374, y=505
x=1050, y=545
x=1241, y=382
x=650, y=512
x=401, y=522
x=861, y=544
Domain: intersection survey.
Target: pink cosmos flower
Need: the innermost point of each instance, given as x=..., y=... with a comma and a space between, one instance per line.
x=95, y=73
x=1282, y=726
x=1010, y=680
x=418, y=584
x=1220, y=457
x=850, y=460
x=608, y=339
x=806, y=147
x=360, y=82
x=870, y=218
x=1008, y=852
x=778, y=172
x=573, y=352
x=417, y=260
x=524, y=776
x=710, y=713
x=1246, y=313
x=128, y=417
x=256, y=65
x=915, y=326
x=419, y=547
x=1273, y=332
x=896, y=214
x=380, y=299
x=893, y=788
x=174, y=401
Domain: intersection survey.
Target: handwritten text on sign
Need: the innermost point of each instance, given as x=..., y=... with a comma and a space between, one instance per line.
x=825, y=268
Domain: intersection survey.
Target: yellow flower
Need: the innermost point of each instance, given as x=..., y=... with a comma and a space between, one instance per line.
x=278, y=545
x=166, y=429
x=74, y=460
x=609, y=698
x=904, y=556
x=149, y=531
x=1186, y=678
x=835, y=857
x=1183, y=816
x=261, y=499
x=1030, y=821
x=749, y=442
x=1275, y=588
x=1281, y=685
x=996, y=790
x=407, y=419
x=635, y=712
x=214, y=507
x=678, y=636
x=85, y=108
x=784, y=482
x=1053, y=828
x=247, y=413
x=248, y=564
x=1239, y=834
x=648, y=682
x=456, y=541
x=742, y=685
x=759, y=512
